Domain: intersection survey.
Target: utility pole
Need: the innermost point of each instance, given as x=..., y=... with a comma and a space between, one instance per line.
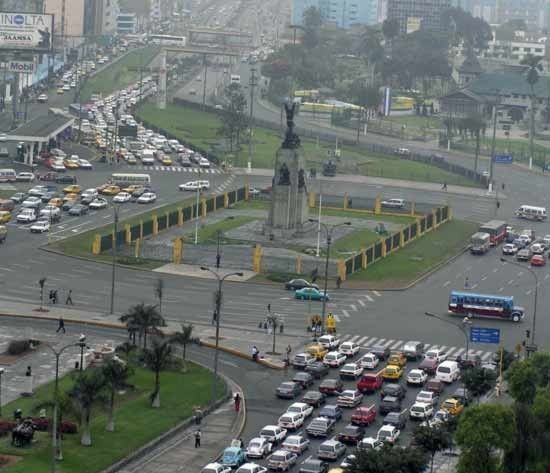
x=252, y=84
x=495, y=113
x=205, y=65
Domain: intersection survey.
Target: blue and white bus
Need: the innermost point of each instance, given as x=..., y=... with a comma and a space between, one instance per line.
x=482, y=305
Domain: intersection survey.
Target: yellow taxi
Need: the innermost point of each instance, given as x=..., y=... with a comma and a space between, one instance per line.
x=5, y=216
x=71, y=164
x=317, y=351
x=392, y=372
x=73, y=189
x=71, y=197
x=397, y=358
x=336, y=470
x=55, y=202
x=110, y=190
x=452, y=406
x=166, y=160
x=131, y=189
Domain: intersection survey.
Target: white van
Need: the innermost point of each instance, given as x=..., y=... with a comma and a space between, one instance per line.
x=147, y=156
x=448, y=371
x=531, y=212
x=8, y=175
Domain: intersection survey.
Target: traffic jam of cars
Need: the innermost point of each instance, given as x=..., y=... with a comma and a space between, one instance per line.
x=340, y=399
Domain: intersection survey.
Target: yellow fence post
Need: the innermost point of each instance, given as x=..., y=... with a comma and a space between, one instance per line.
x=418, y=228
x=346, y=201
x=311, y=199
x=413, y=208
x=178, y=244
x=155, y=225
x=298, y=264
x=225, y=200
x=364, y=258
x=341, y=269
x=96, y=245
x=378, y=205
x=434, y=219
x=402, y=238
x=257, y=259
x=180, y=217
x=383, y=247
x=450, y=214
x=128, y=233
x=136, y=248
x=203, y=207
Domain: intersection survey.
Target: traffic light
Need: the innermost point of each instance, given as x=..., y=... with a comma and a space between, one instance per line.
x=528, y=334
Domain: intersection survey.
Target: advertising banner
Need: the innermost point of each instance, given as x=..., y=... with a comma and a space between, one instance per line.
x=26, y=31
x=23, y=67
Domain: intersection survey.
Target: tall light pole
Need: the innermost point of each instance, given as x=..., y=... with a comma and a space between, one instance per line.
x=218, y=298
x=1, y=373
x=328, y=229
x=536, y=296
x=114, y=253
x=463, y=327
x=197, y=208
x=57, y=454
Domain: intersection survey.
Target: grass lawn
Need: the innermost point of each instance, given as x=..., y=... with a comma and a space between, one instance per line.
x=120, y=74
x=136, y=422
x=519, y=148
x=208, y=233
x=412, y=121
x=353, y=242
x=409, y=263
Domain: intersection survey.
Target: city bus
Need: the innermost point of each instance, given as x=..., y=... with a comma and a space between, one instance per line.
x=125, y=180
x=470, y=305
x=8, y=175
x=496, y=229
x=480, y=243
x=168, y=40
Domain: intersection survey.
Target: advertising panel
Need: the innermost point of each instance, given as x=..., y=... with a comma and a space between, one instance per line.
x=22, y=67
x=26, y=31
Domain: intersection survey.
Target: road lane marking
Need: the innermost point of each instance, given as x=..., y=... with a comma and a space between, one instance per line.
x=528, y=292
x=484, y=278
x=361, y=302
x=495, y=270
x=345, y=312
x=474, y=286
x=396, y=345
x=500, y=289
x=337, y=317
x=459, y=351
x=376, y=293
x=486, y=355
x=8, y=269
x=446, y=283
x=352, y=339
x=361, y=340
x=388, y=343
x=380, y=342
x=353, y=307
x=511, y=281
x=450, y=351
x=520, y=273
x=369, y=298
x=546, y=276
x=371, y=341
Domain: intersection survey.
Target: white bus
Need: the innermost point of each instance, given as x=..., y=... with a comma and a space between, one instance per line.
x=128, y=179
x=531, y=212
x=168, y=40
x=8, y=175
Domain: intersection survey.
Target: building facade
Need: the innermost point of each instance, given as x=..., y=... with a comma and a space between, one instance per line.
x=126, y=23
x=413, y=13
x=342, y=13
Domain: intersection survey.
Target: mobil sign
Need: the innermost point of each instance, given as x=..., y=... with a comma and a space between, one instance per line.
x=22, y=67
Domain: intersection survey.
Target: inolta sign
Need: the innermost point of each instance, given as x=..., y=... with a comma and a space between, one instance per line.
x=26, y=31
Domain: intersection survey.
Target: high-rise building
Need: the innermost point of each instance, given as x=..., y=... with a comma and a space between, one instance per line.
x=415, y=14
x=342, y=13
x=126, y=23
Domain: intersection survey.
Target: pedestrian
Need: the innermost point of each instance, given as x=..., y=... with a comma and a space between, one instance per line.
x=254, y=353
x=214, y=318
x=237, y=401
x=55, y=296
x=198, y=438
x=338, y=282
x=288, y=351
x=69, y=299
x=50, y=297
x=61, y=325
x=466, y=283
x=444, y=186
x=350, y=203
x=503, y=185
x=268, y=307
x=241, y=443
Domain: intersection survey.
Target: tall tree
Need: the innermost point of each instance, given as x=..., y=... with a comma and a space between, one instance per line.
x=532, y=76
x=116, y=373
x=475, y=124
x=144, y=317
x=371, y=50
x=184, y=337
x=432, y=440
x=390, y=29
x=527, y=432
x=409, y=460
x=89, y=391
x=158, y=358
x=234, y=119
x=159, y=292
x=483, y=431
x=312, y=28
x=478, y=380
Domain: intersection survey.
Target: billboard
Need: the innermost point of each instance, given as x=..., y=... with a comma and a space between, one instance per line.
x=413, y=24
x=26, y=31
x=22, y=67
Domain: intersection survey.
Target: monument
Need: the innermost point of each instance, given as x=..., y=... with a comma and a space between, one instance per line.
x=289, y=211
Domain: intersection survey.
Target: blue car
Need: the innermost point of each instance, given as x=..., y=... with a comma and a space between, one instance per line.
x=233, y=457
x=332, y=411
x=311, y=293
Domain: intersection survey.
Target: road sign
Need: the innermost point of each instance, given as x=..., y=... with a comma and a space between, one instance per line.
x=531, y=348
x=503, y=158
x=484, y=335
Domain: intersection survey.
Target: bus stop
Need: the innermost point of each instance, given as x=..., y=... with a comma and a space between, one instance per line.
x=42, y=133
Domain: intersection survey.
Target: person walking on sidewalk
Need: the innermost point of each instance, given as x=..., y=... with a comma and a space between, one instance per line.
x=338, y=282
x=198, y=438
x=69, y=299
x=54, y=297
x=50, y=296
x=237, y=401
x=61, y=325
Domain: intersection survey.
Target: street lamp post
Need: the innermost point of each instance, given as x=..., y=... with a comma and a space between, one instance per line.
x=220, y=280
x=114, y=253
x=328, y=229
x=56, y=445
x=1, y=373
x=536, y=296
x=462, y=327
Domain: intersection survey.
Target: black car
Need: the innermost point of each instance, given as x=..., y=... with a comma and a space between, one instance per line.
x=463, y=395
x=392, y=389
x=47, y=196
x=139, y=192
x=351, y=434
x=296, y=284
x=389, y=404
x=87, y=200
x=288, y=390
x=397, y=419
x=317, y=369
x=332, y=411
x=65, y=179
x=68, y=205
x=303, y=379
x=380, y=352
x=186, y=162
x=313, y=465
x=314, y=398
x=78, y=209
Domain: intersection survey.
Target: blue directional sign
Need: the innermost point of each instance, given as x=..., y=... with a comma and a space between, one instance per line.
x=503, y=158
x=484, y=335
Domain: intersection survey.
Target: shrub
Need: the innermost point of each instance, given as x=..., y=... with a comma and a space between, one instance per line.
x=16, y=347
x=42, y=424
x=67, y=427
x=6, y=426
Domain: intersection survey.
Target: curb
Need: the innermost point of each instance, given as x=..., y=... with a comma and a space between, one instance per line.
x=240, y=354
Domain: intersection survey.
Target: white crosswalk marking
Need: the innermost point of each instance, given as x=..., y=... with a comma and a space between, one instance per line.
x=380, y=342
x=361, y=302
x=353, y=307
x=345, y=312
x=396, y=345
x=388, y=343
x=354, y=338
x=361, y=340
x=376, y=293
x=443, y=348
x=371, y=342
x=486, y=355
x=459, y=351
x=337, y=318
x=450, y=351
x=369, y=298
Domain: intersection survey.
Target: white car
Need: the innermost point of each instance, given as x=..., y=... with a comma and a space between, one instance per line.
x=290, y=421
x=421, y=410
x=436, y=354
x=393, y=203
x=428, y=397
x=417, y=377
x=40, y=227
x=122, y=197
x=90, y=193
x=216, y=468
x=349, y=398
x=25, y=177
x=334, y=359
x=370, y=443
x=388, y=433
x=251, y=468
x=194, y=185
x=258, y=447
x=526, y=239
x=38, y=190
x=42, y=98
x=31, y=202
x=26, y=216
x=351, y=370
x=349, y=349
x=84, y=164
x=273, y=433
x=58, y=166
x=204, y=163
x=509, y=249
x=329, y=342
x=296, y=443
x=147, y=198
x=369, y=361
x=305, y=410
x=98, y=204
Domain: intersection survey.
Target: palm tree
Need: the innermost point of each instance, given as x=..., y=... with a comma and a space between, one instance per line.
x=183, y=338
x=532, y=76
x=88, y=391
x=116, y=373
x=475, y=123
x=144, y=317
x=159, y=292
x=158, y=358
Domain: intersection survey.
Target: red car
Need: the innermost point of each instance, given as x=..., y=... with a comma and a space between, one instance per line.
x=370, y=382
x=331, y=386
x=49, y=176
x=429, y=365
x=364, y=415
x=538, y=260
